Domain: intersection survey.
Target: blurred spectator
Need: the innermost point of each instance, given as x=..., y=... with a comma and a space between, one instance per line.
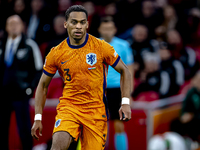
x=111, y=10
x=60, y=33
x=21, y=64
x=160, y=4
x=189, y=121
x=152, y=78
x=173, y=67
x=186, y=55
x=149, y=16
x=21, y=9
x=193, y=21
x=141, y=45
x=93, y=18
x=107, y=31
x=19, y=6
x=39, y=25
x=171, y=21
x=63, y=5
x=58, y=26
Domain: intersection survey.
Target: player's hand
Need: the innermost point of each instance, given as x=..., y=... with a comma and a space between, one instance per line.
x=36, y=126
x=126, y=110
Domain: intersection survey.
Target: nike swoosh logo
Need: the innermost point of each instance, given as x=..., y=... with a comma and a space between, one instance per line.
x=104, y=116
x=64, y=62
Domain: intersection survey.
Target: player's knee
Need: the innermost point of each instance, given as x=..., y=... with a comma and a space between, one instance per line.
x=60, y=146
x=56, y=146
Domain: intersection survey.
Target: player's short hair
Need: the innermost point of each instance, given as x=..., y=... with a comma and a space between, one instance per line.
x=76, y=8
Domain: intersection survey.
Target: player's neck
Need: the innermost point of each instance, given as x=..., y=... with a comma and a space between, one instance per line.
x=108, y=39
x=77, y=42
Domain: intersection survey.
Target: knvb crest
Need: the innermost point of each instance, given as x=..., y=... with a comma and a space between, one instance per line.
x=91, y=59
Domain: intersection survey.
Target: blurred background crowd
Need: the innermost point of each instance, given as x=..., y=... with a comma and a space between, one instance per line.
x=163, y=34
x=164, y=37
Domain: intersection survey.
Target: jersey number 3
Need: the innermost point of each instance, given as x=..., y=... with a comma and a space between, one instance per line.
x=68, y=78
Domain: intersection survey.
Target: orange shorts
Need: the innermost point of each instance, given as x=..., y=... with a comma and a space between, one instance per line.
x=92, y=132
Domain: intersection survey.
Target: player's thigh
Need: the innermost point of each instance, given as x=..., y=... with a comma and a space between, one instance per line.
x=61, y=140
x=94, y=136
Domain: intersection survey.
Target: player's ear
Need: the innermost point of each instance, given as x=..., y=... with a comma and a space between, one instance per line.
x=65, y=24
x=87, y=25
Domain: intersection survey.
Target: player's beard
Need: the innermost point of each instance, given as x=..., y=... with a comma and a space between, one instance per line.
x=77, y=40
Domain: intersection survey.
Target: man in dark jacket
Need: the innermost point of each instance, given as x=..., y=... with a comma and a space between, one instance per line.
x=20, y=63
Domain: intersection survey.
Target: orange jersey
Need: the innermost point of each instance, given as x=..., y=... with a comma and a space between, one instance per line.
x=83, y=69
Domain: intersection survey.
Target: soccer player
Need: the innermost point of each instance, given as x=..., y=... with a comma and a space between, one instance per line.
x=81, y=60
x=107, y=30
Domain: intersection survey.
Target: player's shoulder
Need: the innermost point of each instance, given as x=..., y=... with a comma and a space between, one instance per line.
x=96, y=41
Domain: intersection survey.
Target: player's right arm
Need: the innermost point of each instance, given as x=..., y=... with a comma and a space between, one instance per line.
x=40, y=99
x=49, y=69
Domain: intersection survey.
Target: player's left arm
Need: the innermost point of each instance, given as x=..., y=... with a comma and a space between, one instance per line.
x=125, y=83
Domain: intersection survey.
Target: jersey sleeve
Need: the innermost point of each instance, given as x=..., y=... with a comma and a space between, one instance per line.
x=49, y=67
x=110, y=56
